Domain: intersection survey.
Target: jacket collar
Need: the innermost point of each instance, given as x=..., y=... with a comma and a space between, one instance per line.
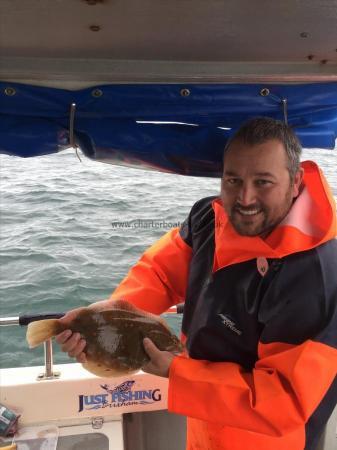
x=310, y=222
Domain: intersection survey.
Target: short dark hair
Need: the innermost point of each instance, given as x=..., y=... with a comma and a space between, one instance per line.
x=262, y=129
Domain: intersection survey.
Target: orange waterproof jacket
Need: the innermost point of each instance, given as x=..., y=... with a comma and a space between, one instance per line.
x=260, y=322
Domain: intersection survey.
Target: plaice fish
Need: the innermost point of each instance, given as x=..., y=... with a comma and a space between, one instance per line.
x=114, y=337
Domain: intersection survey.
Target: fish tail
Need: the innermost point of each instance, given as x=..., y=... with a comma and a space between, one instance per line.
x=42, y=330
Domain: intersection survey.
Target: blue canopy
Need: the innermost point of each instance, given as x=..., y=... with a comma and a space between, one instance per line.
x=117, y=123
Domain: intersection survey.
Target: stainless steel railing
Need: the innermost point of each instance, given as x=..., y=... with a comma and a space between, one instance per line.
x=49, y=373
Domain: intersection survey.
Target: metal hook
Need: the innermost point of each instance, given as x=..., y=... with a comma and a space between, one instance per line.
x=284, y=102
x=71, y=129
x=285, y=110
x=284, y=105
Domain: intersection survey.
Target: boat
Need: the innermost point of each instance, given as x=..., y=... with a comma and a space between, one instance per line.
x=157, y=85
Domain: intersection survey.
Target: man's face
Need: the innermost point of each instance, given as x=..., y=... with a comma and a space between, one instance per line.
x=256, y=190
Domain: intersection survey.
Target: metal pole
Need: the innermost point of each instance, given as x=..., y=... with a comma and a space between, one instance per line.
x=5, y=321
x=49, y=373
x=48, y=358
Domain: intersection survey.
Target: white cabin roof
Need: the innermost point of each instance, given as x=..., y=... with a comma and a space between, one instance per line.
x=74, y=43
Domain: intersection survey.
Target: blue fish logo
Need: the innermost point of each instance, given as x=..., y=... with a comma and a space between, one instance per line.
x=123, y=387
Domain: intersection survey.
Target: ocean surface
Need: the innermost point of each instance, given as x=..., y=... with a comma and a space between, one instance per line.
x=70, y=231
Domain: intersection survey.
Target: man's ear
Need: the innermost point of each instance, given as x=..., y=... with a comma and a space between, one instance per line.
x=297, y=182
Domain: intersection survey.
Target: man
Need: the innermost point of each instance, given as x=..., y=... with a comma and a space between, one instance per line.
x=257, y=270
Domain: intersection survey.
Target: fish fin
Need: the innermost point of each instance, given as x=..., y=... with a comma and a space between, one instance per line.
x=127, y=306
x=106, y=372
x=42, y=330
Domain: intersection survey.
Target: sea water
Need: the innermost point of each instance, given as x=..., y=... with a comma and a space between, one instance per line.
x=71, y=230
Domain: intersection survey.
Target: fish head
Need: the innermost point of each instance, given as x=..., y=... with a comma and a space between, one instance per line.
x=174, y=345
x=165, y=341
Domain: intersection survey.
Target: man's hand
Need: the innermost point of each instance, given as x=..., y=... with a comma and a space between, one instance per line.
x=73, y=343
x=160, y=361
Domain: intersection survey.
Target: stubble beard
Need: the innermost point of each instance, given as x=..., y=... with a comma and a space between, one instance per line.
x=266, y=226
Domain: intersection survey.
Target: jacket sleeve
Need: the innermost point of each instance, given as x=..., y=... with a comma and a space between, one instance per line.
x=159, y=279
x=286, y=385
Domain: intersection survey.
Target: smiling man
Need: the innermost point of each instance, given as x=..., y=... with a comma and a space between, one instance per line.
x=256, y=268
x=258, y=187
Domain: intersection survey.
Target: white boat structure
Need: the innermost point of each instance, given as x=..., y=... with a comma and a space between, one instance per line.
x=276, y=58
x=83, y=411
